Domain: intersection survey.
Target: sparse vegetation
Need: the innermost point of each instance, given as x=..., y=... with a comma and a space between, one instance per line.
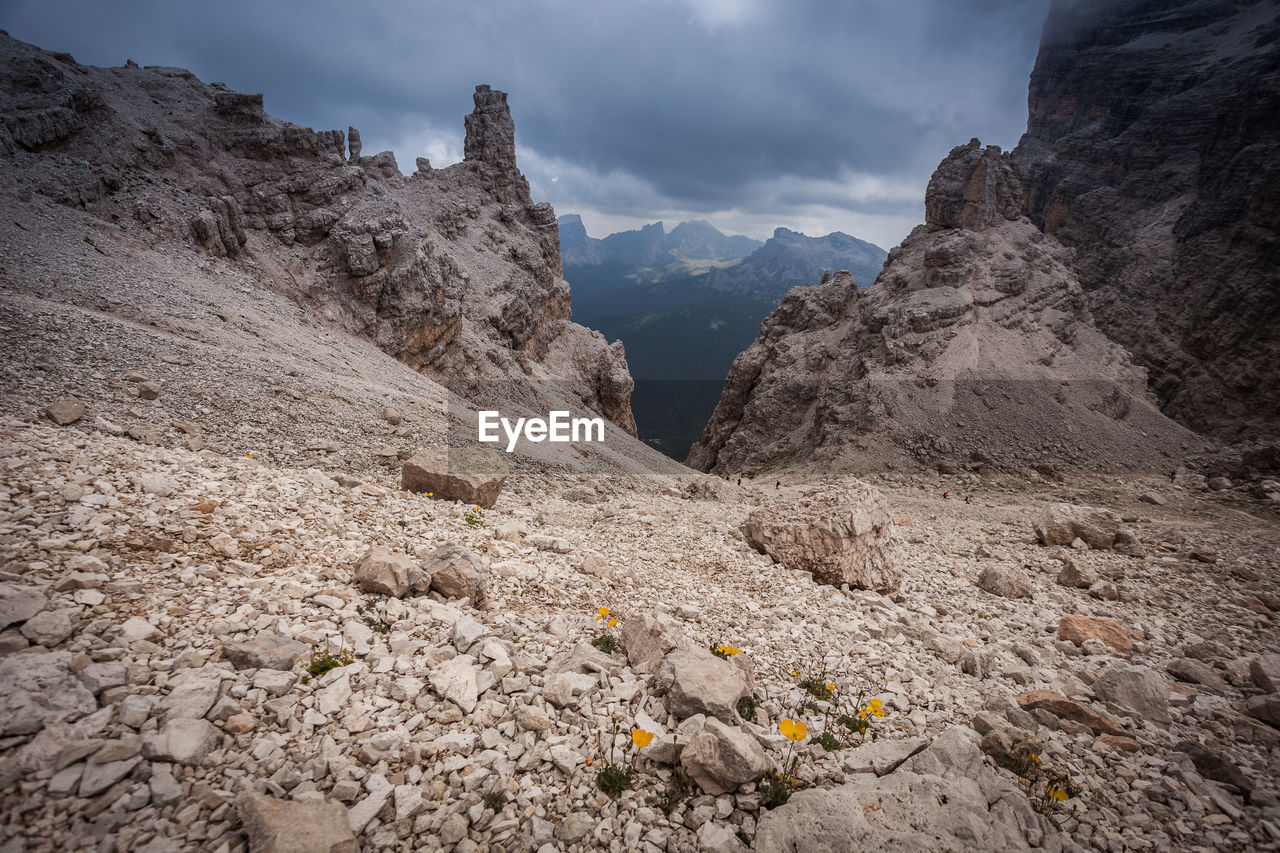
x=322, y=660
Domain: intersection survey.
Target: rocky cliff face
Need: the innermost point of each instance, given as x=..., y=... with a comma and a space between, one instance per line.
x=454, y=271
x=974, y=347
x=1153, y=149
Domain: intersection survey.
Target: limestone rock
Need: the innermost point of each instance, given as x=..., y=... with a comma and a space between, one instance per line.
x=1061, y=523
x=1005, y=581
x=455, y=680
x=291, y=826
x=649, y=635
x=975, y=335
x=39, y=689
x=19, y=603
x=1182, y=225
x=384, y=572
x=698, y=682
x=183, y=741
x=1265, y=672
x=1076, y=575
x=944, y=798
x=841, y=535
x=473, y=476
x=1078, y=629
x=1135, y=689
x=1066, y=708
x=265, y=651
x=457, y=572
x=66, y=411
x=723, y=757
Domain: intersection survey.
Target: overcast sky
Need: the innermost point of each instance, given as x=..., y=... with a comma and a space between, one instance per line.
x=819, y=116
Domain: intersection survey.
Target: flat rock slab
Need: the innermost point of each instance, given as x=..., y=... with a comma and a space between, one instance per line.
x=290, y=826
x=265, y=651
x=472, y=475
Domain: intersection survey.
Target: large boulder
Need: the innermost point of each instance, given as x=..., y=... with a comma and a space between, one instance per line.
x=840, y=535
x=720, y=758
x=1062, y=524
x=472, y=475
x=40, y=689
x=290, y=826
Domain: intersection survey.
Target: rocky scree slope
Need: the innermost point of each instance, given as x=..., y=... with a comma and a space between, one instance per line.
x=453, y=271
x=974, y=346
x=1153, y=149
x=169, y=599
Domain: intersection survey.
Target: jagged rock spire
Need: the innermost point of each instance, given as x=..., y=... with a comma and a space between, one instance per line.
x=491, y=141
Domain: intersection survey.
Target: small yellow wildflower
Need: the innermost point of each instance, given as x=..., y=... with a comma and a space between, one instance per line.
x=604, y=614
x=590, y=759
x=795, y=672
x=613, y=622
x=728, y=650
x=831, y=687
x=793, y=730
x=477, y=508
x=1057, y=793
x=1035, y=758
x=641, y=738
x=876, y=707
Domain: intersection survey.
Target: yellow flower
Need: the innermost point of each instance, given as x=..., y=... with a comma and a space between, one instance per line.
x=430, y=494
x=875, y=706
x=604, y=612
x=793, y=730
x=728, y=650
x=590, y=759
x=1057, y=793
x=862, y=714
x=641, y=738
x=795, y=672
x=613, y=622
x=1035, y=758
x=477, y=508
x=248, y=456
x=831, y=687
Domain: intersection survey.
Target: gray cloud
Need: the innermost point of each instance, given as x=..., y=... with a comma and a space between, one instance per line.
x=733, y=110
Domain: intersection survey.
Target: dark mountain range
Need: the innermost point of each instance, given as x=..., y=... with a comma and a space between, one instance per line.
x=682, y=332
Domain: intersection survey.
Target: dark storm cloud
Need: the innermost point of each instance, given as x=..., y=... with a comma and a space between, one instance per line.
x=636, y=109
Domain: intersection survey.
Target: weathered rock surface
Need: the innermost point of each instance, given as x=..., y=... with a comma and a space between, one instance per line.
x=1135, y=689
x=385, y=572
x=976, y=338
x=40, y=689
x=1079, y=629
x=722, y=757
x=1174, y=241
x=698, y=682
x=412, y=264
x=1005, y=581
x=457, y=572
x=840, y=535
x=945, y=798
x=1062, y=524
x=282, y=826
x=473, y=476
x=265, y=651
